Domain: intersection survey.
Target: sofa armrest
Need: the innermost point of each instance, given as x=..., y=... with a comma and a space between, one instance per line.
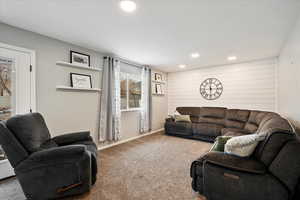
x=70, y=138
x=249, y=165
x=53, y=156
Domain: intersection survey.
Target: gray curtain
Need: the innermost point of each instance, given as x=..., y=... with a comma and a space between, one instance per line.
x=146, y=101
x=110, y=112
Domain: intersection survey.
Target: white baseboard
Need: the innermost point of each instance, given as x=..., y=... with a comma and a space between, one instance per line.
x=129, y=139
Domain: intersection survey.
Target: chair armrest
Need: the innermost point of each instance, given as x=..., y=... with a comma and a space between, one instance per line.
x=53, y=156
x=249, y=165
x=70, y=138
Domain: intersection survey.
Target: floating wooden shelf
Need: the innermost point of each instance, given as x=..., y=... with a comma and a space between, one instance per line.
x=66, y=64
x=61, y=87
x=161, y=82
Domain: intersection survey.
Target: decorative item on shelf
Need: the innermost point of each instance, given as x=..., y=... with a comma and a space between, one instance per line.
x=211, y=89
x=158, y=89
x=82, y=81
x=80, y=59
x=158, y=77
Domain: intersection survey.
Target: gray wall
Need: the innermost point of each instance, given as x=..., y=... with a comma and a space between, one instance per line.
x=68, y=111
x=289, y=78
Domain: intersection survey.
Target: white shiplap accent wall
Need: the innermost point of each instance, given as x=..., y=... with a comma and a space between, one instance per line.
x=246, y=86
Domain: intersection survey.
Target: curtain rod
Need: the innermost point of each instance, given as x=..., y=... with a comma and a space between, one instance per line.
x=125, y=61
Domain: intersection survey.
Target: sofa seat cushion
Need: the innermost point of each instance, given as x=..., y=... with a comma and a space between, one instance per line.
x=179, y=128
x=207, y=129
x=234, y=132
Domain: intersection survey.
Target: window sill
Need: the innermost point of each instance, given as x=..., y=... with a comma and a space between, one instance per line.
x=131, y=110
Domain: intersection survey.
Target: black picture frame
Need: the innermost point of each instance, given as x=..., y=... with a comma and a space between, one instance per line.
x=157, y=77
x=82, y=54
x=87, y=75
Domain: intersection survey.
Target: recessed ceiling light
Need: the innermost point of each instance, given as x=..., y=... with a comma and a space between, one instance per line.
x=128, y=5
x=195, y=55
x=231, y=58
x=182, y=66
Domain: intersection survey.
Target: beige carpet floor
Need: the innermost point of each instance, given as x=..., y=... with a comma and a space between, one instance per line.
x=154, y=167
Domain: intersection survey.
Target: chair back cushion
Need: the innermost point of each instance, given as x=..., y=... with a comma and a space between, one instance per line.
x=12, y=147
x=30, y=129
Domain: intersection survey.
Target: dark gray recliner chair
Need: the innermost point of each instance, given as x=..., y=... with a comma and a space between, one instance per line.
x=48, y=168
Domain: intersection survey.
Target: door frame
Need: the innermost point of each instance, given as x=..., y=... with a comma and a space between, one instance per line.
x=33, y=70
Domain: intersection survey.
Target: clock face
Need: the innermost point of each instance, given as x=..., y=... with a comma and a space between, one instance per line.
x=211, y=89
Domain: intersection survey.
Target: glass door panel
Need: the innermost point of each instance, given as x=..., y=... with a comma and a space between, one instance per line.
x=7, y=84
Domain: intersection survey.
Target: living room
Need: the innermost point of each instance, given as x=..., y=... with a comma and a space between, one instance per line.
x=149, y=100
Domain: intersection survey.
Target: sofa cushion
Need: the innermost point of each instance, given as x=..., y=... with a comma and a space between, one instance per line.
x=236, y=118
x=193, y=112
x=220, y=142
x=237, y=115
x=233, y=133
x=182, y=118
x=226, y=131
x=286, y=165
x=207, y=129
x=257, y=119
x=243, y=146
x=233, y=162
x=214, y=112
x=278, y=131
x=212, y=115
x=178, y=128
x=30, y=129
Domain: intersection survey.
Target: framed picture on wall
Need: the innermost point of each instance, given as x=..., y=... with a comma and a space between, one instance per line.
x=157, y=77
x=82, y=81
x=80, y=58
x=158, y=89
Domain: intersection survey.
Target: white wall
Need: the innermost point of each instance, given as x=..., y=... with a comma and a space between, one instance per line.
x=246, y=86
x=289, y=77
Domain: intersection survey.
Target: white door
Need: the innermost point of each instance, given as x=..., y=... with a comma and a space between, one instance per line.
x=17, y=89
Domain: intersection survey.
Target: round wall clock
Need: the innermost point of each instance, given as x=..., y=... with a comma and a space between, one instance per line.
x=211, y=89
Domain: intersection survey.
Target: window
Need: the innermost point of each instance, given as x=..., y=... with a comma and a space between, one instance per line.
x=130, y=88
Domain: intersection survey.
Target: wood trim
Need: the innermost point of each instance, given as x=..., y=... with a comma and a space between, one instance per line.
x=130, y=139
x=61, y=190
x=231, y=176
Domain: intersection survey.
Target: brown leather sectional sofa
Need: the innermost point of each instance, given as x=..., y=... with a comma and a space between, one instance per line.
x=272, y=172
x=210, y=122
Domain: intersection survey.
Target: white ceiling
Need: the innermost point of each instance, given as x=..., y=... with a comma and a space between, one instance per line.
x=162, y=33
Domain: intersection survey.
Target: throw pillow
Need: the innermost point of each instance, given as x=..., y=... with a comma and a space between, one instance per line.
x=182, y=118
x=243, y=146
x=220, y=142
